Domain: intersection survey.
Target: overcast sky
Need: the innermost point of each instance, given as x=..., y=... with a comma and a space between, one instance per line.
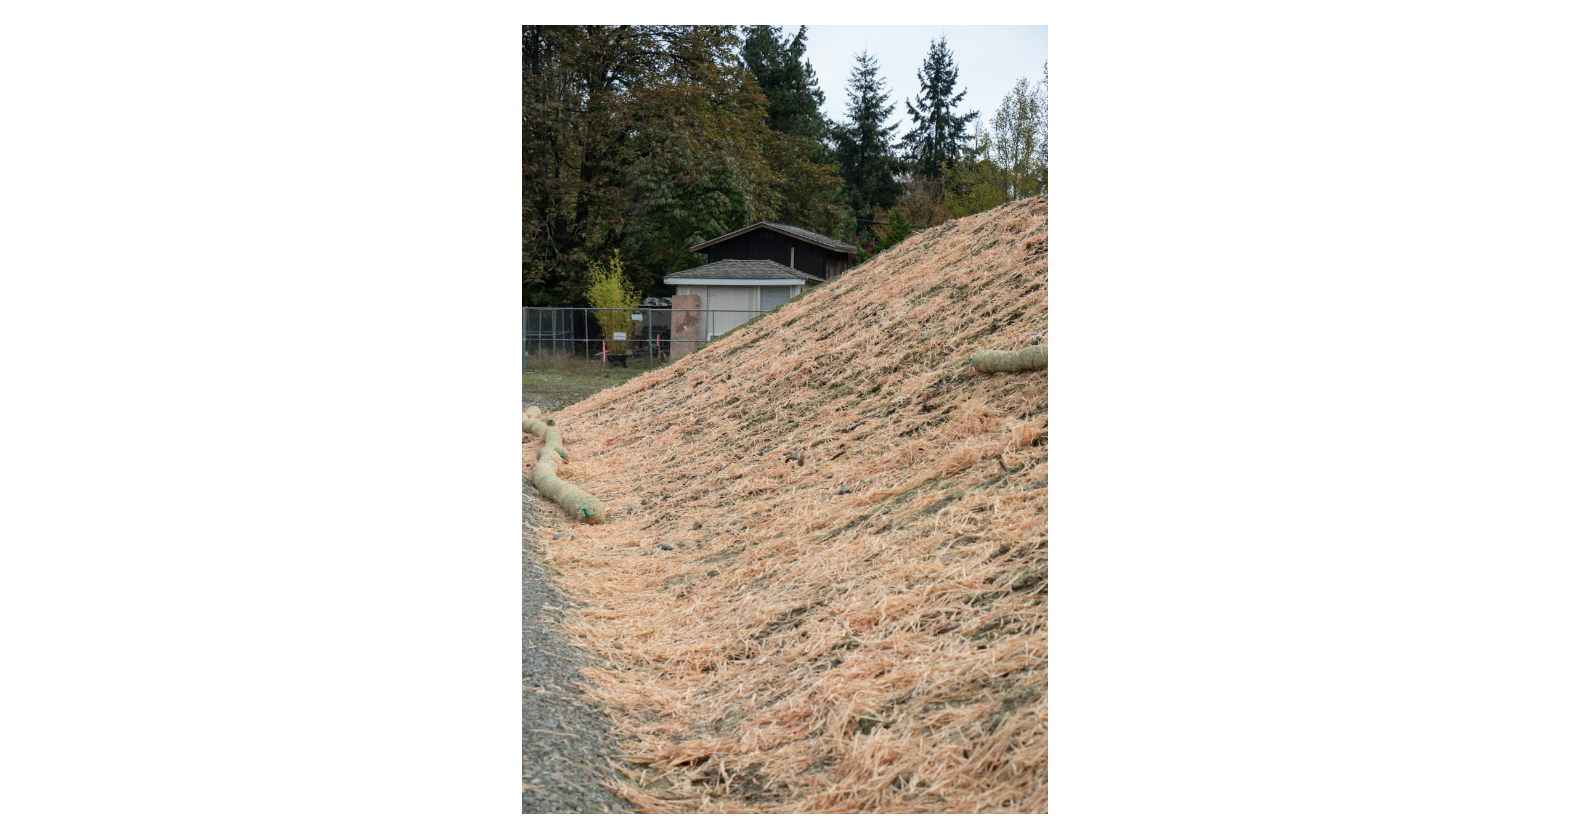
x=989, y=58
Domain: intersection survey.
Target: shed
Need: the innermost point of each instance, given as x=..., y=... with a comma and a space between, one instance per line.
x=791, y=247
x=732, y=291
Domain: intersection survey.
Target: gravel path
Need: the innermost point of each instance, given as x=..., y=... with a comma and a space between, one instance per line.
x=566, y=737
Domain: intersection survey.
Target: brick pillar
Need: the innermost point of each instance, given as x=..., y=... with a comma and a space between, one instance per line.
x=684, y=325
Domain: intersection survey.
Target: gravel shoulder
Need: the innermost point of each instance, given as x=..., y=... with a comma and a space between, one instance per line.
x=566, y=736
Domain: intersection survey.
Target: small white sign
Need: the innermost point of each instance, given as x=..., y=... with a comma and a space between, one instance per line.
x=637, y=317
x=618, y=336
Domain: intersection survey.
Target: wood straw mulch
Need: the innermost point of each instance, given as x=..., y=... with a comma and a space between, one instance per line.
x=862, y=629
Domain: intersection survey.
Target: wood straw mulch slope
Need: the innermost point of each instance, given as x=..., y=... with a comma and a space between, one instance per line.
x=862, y=630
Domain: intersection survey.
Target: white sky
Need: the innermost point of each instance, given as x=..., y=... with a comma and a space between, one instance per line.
x=989, y=59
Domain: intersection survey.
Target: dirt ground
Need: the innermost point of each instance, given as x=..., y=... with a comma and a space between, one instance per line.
x=552, y=390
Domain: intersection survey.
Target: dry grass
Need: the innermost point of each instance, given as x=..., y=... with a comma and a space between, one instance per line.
x=867, y=631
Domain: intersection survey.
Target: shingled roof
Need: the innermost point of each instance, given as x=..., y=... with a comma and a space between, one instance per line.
x=808, y=235
x=741, y=269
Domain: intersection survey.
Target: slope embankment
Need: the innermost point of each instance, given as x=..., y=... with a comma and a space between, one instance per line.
x=823, y=583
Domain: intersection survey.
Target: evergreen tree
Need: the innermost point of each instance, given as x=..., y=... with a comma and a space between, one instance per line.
x=939, y=127
x=787, y=79
x=863, y=143
x=898, y=230
x=804, y=171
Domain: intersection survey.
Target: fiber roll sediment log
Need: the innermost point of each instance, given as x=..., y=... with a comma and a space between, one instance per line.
x=578, y=504
x=1003, y=361
x=550, y=434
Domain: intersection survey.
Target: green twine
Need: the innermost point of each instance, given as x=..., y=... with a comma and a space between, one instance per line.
x=552, y=454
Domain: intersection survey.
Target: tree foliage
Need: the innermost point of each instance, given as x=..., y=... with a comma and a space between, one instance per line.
x=609, y=292
x=808, y=188
x=973, y=185
x=1043, y=118
x=896, y=231
x=863, y=144
x=1019, y=133
x=1008, y=162
x=939, y=127
x=787, y=79
x=922, y=203
x=648, y=140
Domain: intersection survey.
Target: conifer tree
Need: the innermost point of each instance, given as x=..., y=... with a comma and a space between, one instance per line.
x=863, y=143
x=803, y=168
x=898, y=230
x=939, y=127
x=787, y=79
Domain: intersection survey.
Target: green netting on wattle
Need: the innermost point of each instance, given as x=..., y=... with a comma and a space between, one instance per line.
x=550, y=435
x=578, y=504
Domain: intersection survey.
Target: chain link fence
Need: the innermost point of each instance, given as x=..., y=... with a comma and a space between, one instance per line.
x=640, y=338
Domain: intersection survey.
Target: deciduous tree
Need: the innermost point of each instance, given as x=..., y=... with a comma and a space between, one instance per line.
x=1019, y=131
x=649, y=139
x=611, y=294
x=922, y=203
x=1009, y=161
x=1043, y=116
